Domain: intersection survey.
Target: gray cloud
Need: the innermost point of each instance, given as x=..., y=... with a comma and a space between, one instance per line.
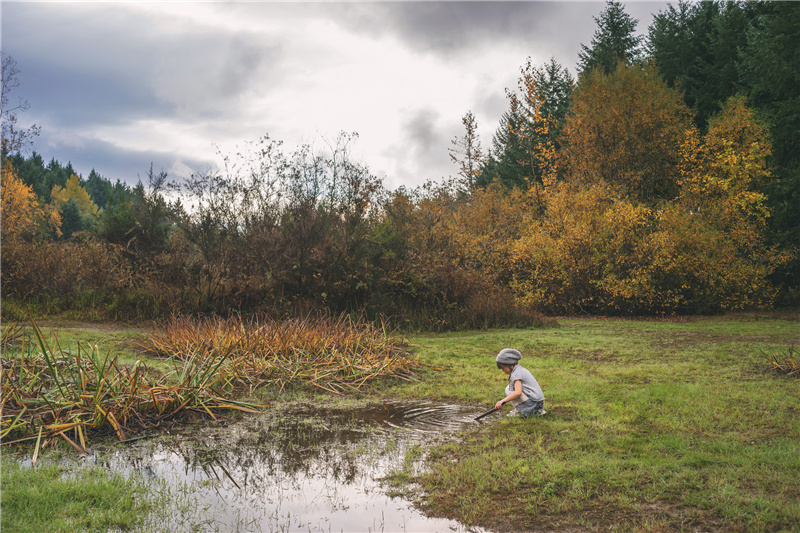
x=448, y=26
x=100, y=64
x=421, y=130
x=549, y=28
x=422, y=151
x=113, y=162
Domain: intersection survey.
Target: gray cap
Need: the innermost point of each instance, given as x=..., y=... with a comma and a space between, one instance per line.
x=508, y=356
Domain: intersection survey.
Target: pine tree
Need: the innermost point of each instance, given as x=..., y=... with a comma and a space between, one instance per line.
x=502, y=163
x=771, y=68
x=614, y=41
x=556, y=85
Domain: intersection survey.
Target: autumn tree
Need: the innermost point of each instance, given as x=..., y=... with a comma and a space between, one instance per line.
x=22, y=214
x=524, y=146
x=625, y=132
x=731, y=163
x=78, y=211
x=534, y=132
x=597, y=251
x=467, y=152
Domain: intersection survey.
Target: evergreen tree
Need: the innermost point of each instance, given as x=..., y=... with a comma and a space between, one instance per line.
x=518, y=146
x=614, y=41
x=72, y=220
x=699, y=47
x=671, y=42
x=555, y=86
x=771, y=67
x=503, y=162
x=99, y=189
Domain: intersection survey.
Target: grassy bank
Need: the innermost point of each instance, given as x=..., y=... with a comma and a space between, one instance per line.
x=57, y=498
x=651, y=426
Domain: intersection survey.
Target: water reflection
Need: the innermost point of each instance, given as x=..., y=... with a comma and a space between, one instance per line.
x=299, y=470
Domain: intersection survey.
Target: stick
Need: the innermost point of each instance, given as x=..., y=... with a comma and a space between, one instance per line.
x=487, y=413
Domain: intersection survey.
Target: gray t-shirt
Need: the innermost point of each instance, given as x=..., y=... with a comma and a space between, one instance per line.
x=530, y=386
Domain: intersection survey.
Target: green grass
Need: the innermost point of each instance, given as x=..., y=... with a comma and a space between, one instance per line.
x=57, y=497
x=651, y=426
x=119, y=340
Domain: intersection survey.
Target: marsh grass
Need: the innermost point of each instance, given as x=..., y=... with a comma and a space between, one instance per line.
x=651, y=426
x=786, y=361
x=332, y=354
x=52, y=394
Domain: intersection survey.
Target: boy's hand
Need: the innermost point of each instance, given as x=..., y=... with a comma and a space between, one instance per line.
x=498, y=405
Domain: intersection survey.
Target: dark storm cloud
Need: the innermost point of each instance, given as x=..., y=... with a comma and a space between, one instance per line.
x=550, y=28
x=452, y=28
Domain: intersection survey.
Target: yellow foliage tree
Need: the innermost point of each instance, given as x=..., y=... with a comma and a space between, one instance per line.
x=533, y=131
x=20, y=212
x=727, y=166
x=625, y=132
x=74, y=191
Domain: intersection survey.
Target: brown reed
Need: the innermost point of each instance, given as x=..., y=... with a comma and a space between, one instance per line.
x=333, y=353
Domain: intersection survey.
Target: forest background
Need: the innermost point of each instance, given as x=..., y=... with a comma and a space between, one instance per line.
x=664, y=180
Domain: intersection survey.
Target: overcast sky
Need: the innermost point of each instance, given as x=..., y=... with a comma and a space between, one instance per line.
x=116, y=86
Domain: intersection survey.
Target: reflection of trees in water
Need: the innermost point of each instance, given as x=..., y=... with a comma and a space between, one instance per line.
x=259, y=451
x=260, y=473
x=337, y=445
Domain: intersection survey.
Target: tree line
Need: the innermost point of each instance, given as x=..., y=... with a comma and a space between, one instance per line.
x=663, y=179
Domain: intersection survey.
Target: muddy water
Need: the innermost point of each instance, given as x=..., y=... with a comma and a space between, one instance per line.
x=296, y=470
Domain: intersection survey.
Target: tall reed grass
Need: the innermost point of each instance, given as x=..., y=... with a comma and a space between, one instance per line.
x=332, y=353
x=50, y=393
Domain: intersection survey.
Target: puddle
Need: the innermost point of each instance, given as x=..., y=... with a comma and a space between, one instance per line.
x=296, y=470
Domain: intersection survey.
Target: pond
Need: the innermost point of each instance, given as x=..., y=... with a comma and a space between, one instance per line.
x=304, y=469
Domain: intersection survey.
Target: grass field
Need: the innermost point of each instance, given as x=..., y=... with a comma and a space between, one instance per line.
x=651, y=425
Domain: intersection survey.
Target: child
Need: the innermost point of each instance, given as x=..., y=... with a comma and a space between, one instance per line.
x=523, y=391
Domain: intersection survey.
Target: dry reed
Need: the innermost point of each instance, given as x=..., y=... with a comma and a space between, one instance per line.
x=335, y=354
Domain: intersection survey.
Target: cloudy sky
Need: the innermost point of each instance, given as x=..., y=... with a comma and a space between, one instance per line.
x=116, y=86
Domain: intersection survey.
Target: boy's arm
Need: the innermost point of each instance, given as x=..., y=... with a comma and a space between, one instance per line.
x=513, y=396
